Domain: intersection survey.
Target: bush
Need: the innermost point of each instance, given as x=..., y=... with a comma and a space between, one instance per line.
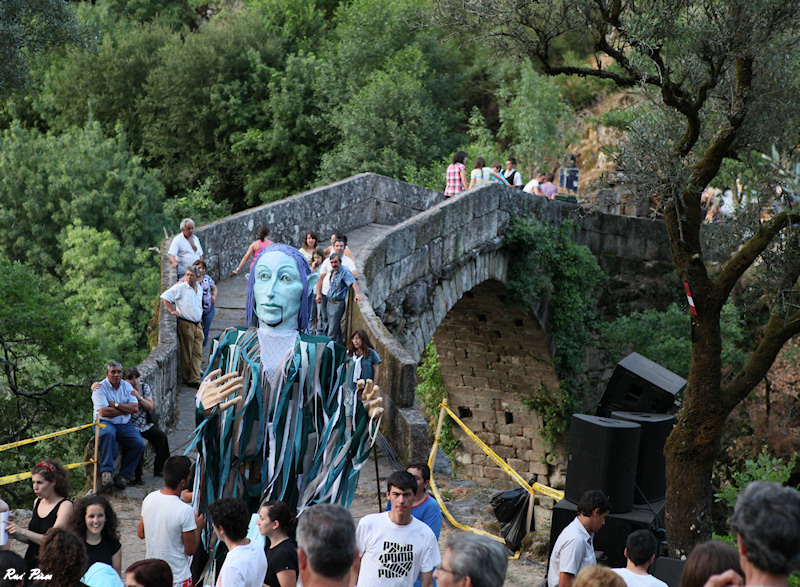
x=79, y=206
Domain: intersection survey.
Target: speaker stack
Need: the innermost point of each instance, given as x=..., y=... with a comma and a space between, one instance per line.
x=620, y=450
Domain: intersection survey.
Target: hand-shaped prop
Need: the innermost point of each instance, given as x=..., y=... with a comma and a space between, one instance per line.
x=214, y=389
x=370, y=395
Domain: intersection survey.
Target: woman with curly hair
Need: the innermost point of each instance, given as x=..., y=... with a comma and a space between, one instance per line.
x=62, y=559
x=51, y=509
x=94, y=520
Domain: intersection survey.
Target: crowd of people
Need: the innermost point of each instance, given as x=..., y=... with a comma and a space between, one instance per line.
x=766, y=521
x=456, y=180
x=77, y=545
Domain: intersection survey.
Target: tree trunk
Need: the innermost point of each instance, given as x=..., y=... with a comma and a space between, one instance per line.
x=694, y=444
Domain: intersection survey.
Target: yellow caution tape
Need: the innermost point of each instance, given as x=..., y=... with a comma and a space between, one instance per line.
x=22, y=476
x=45, y=436
x=536, y=487
x=447, y=514
x=543, y=489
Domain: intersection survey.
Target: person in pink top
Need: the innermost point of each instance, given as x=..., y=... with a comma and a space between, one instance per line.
x=255, y=247
x=456, y=175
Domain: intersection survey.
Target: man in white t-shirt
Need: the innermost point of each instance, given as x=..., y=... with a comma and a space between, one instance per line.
x=534, y=185
x=513, y=177
x=395, y=547
x=574, y=549
x=640, y=550
x=185, y=248
x=246, y=563
x=168, y=525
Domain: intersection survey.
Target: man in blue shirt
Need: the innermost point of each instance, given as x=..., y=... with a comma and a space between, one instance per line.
x=341, y=279
x=113, y=400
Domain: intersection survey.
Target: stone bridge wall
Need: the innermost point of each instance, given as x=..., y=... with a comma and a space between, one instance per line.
x=339, y=207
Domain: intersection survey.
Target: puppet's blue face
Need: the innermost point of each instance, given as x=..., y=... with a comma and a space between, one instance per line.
x=278, y=291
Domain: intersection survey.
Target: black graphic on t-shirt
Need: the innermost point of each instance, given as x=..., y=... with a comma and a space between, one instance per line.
x=396, y=560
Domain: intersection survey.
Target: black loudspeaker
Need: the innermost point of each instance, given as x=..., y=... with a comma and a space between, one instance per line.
x=669, y=570
x=651, y=476
x=602, y=455
x=610, y=540
x=640, y=385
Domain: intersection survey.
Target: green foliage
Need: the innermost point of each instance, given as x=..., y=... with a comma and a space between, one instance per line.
x=28, y=27
x=45, y=364
x=548, y=265
x=58, y=191
x=282, y=156
x=664, y=337
x=763, y=468
x=196, y=204
x=621, y=119
x=482, y=142
x=107, y=85
x=391, y=123
x=177, y=13
x=431, y=391
x=538, y=123
x=300, y=24
x=388, y=93
x=208, y=87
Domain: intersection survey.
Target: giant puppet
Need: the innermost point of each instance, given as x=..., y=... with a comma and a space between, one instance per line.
x=271, y=421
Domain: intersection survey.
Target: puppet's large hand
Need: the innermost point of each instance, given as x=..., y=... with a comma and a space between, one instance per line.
x=370, y=395
x=216, y=388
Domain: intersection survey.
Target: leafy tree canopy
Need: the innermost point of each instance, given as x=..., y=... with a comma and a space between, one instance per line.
x=44, y=368
x=28, y=27
x=54, y=188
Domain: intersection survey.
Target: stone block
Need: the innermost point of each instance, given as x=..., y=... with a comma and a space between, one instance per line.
x=521, y=443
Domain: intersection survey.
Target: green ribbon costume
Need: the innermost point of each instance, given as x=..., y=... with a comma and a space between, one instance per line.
x=290, y=445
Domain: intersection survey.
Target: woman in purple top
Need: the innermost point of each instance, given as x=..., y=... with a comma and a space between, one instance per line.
x=209, y=298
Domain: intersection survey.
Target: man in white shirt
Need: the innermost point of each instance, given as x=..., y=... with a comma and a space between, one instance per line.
x=534, y=185
x=396, y=547
x=169, y=526
x=246, y=563
x=185, y=300
x=513, y=177
x=574, y=549
x=185, y=248
x=640, y=550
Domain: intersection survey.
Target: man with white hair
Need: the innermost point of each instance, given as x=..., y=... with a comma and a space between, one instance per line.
x=185, y=248
x=472, y=561
x=766, y=520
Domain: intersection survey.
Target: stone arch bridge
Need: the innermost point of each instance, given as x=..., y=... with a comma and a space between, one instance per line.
x=434, y=269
